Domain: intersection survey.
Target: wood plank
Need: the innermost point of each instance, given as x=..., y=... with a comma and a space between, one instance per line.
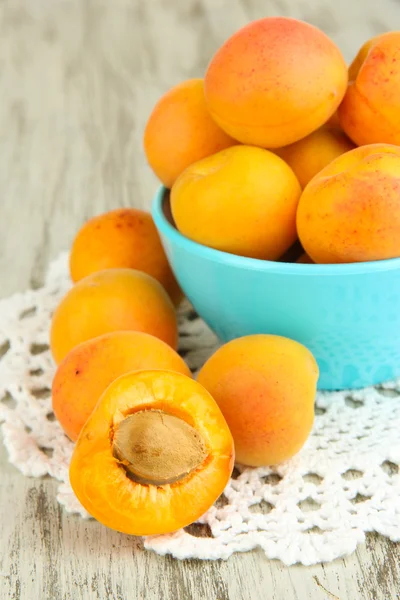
x=78, y=80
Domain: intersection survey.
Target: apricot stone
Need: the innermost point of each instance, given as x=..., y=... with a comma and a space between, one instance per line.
x=242, y=200
x=90, y=367
x=265, y=386
x=275, y=81
x=350, y=212
x=309, y=156
x=180, y=131
x=370, y=111
x=112, y=300
x=122, y=238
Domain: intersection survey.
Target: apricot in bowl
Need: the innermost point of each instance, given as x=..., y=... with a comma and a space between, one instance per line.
x=345, y=314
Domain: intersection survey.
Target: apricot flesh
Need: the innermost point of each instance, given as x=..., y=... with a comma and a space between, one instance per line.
x=309, y=156
x=89, y=368
x=122, y=238
x=265, y=386
x=112, y=300
x=180, y=131
x=350, y=212
x=101, y=481
x=275, y=81
x=370, y=111
x=242, y=200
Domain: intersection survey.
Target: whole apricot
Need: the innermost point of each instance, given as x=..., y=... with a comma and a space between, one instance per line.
x=265, y=386
x=275, y=81
x=154, y=455
x=370, y=111
x=122, y=238
x=242, y=200
x=350, y=211
x=90, y=367
x=309, y=156
x=112, y=300
x=180, y=131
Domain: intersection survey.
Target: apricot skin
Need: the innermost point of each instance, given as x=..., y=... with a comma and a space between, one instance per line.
x=122, y=238
x=370, y=111
x=90, y=367
x=180, y=131
x=309, y=156
x=101, y=483
x=275, y=81
x=350, y=212
x=242, y=200
x=112, y=300
x=265, y=386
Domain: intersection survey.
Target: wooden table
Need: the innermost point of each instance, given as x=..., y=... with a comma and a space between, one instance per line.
x=78, y=79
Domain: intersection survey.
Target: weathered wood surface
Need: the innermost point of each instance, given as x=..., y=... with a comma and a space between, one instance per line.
x=77, y=81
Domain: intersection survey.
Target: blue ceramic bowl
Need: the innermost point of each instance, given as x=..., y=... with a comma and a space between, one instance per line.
x=347, y=315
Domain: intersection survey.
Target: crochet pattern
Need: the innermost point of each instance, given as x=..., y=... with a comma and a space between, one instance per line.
x=315, y=507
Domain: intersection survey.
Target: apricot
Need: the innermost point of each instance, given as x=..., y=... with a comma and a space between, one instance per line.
x=242, y=200
x=350, y=211
x=265, y=386
x=180, y=131
x=154, y=455
x=90, y=367
x=370, y=111
x=305, y=259
x=112, y=300
x=126, y=238
x=275, y=81
x=309, y=156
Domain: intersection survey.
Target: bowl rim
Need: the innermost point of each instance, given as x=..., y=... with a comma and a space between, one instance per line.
x=169, y=231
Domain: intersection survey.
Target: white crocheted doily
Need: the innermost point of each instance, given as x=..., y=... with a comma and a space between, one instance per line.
x=313, y=508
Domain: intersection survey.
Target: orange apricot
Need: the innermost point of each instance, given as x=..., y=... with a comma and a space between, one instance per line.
x=275, y=81
x=90, y=367
x=309, y=156
x=180, y=131
x=370, y=111
x=242, y=200
x=122, y=238
x=112, y=300
x=305, y=259
x=350, y=211
x=265, y=386
x=154, y=455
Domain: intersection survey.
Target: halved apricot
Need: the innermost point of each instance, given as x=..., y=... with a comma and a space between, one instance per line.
x=90, y=367
x=154, y=455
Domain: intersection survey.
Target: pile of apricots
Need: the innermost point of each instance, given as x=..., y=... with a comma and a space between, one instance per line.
x=282, y=143
x=266, y=145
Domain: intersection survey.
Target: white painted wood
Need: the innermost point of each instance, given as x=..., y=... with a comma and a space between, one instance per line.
x=78, y=79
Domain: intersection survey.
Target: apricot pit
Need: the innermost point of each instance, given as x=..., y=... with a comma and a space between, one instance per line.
x=157, y=448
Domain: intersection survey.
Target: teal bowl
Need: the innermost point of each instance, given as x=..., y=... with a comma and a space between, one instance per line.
x=347, y=315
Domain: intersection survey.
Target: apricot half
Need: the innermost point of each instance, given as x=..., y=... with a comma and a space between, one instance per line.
x=90, y=367
x=265, y=386
x=350, y=211
x=112, y=300
x=122, y=238
x=275, y=81
x=154, y=455
x=242, y=200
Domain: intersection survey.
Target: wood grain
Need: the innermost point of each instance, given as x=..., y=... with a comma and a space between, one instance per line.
x=78, y=79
